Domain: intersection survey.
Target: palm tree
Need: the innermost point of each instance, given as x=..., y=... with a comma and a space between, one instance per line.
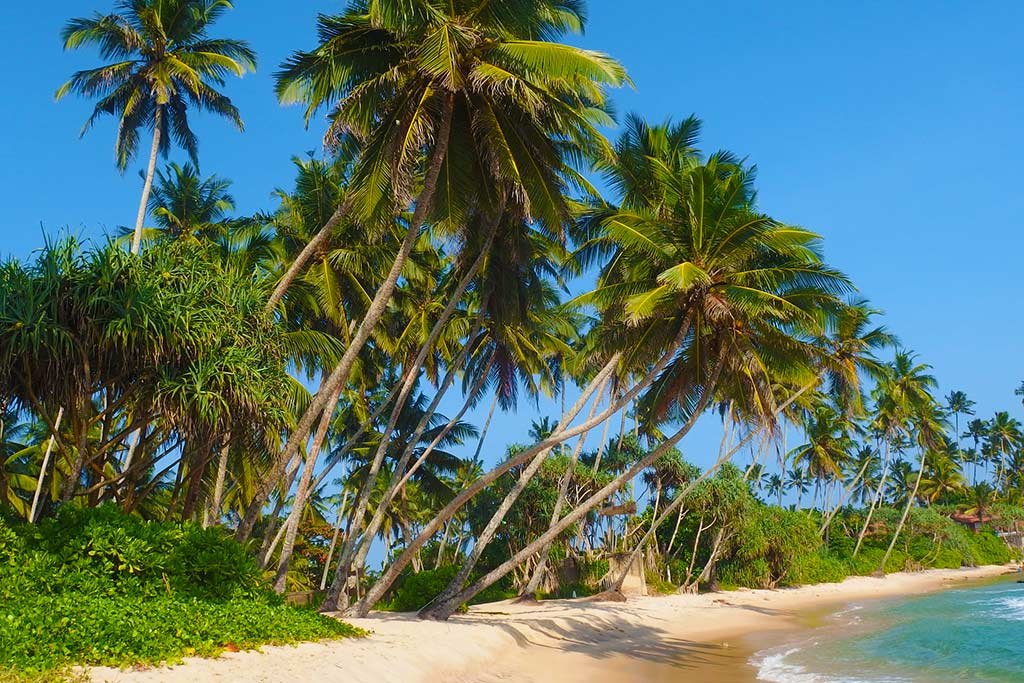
x=942, y=479
x=1004, y=436
x=908, y=391
x=776, y=487
x=797, y=479
x=691, y=259
x=469, y=88
x=164, y=63
x=958, y=404
x=827, y=452
x=185, y=205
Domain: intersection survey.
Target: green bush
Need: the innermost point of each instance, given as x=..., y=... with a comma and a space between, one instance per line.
x=103, y=551
x=817, y=567
x=418, y=590
x=50, y=632
x=102, y=587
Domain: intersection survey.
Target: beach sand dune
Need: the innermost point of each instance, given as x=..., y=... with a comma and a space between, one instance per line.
x=667, y=638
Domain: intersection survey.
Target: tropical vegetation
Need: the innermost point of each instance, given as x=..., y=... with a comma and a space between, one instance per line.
x=206, y=410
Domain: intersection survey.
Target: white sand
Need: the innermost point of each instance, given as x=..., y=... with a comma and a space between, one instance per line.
x=646, y=638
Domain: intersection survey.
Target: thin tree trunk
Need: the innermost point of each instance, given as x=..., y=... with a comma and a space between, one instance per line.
x=334, y=383
x=494, y=523
x=442, y=610
x=392, y=572
x=843, y=498
x=217, y=501
x=487, y=426
x=312, y=247
x=334, y=539
x=301, y=494
x=723, y=456
x=874, y=501
x=158, y=114
x=42, y=469
x=906, y=512
x=563, y=490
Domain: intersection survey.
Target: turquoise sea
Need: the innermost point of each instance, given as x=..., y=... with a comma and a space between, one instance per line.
x=970, y=634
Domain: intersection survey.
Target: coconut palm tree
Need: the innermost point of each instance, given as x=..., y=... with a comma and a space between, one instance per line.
x=483, y=95
x=942, y=478
x=1004, y=436
x=163, y=63
x=691, y=262
x=958, y=404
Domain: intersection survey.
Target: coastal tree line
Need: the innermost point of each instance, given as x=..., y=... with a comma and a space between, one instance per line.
x=431, y=256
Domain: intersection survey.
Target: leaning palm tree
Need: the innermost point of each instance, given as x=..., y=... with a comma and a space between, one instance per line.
x=461, y=91
x=910, y=388
x=163, y=63
x=699, y=277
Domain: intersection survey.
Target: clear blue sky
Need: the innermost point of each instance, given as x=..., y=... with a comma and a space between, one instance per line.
x=891, y=128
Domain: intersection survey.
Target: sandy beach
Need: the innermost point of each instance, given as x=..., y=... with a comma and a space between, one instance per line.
x=663, y=638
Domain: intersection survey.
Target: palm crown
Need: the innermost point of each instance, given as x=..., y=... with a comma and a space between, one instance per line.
x=163, y=62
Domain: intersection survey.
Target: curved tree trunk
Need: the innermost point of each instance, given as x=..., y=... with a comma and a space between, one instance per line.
x=349, y=548
x=301, y=494
x=487, y=426
x=334, y=539
x=874, y=502
x=392, y=572
x=563, y=490
x=906, y=512
x=43, y=468
x=442, y=610
x=403, y=472
x=334, y=383
x=216, y=502
x=147, y=185
x=481, y=542
x=314, y=245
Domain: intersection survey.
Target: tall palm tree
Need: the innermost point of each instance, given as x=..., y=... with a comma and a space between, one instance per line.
x=827, y=451
x=692, y=260
x=1004, y=436
x=957, y=403
x=484, y=96
x=185, y=205
x=164, y=62
x=909, y=390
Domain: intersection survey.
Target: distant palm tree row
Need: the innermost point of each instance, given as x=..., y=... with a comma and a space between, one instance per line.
x=432, y=258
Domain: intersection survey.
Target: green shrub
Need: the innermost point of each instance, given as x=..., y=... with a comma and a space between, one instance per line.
x=49, y=632
x=418, y=590
x=102, y=587
x=817, y=567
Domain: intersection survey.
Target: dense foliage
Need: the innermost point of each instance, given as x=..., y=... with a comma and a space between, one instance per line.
x=279, y=376
x=102, y=587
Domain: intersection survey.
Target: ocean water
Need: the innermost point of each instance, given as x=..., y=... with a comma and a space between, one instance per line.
x=971, y=634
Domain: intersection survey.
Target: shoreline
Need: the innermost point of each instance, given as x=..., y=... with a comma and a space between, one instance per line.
x=654, y=638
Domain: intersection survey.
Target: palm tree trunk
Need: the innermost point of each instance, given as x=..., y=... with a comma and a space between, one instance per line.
x=334, y=539
x=158, y=115
x=563, y=489
x=494, y=523
x=217, y=500
x=487, y=426
x=301, y=493
x=906, y=512
x=353, y=547
x=334, y=383
x=318, y=241
x=392, y=572
x=443, y=609
x=874, y=501
x=842, y=499
x=723, y=457
x=403, y=472
x=43, y=468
